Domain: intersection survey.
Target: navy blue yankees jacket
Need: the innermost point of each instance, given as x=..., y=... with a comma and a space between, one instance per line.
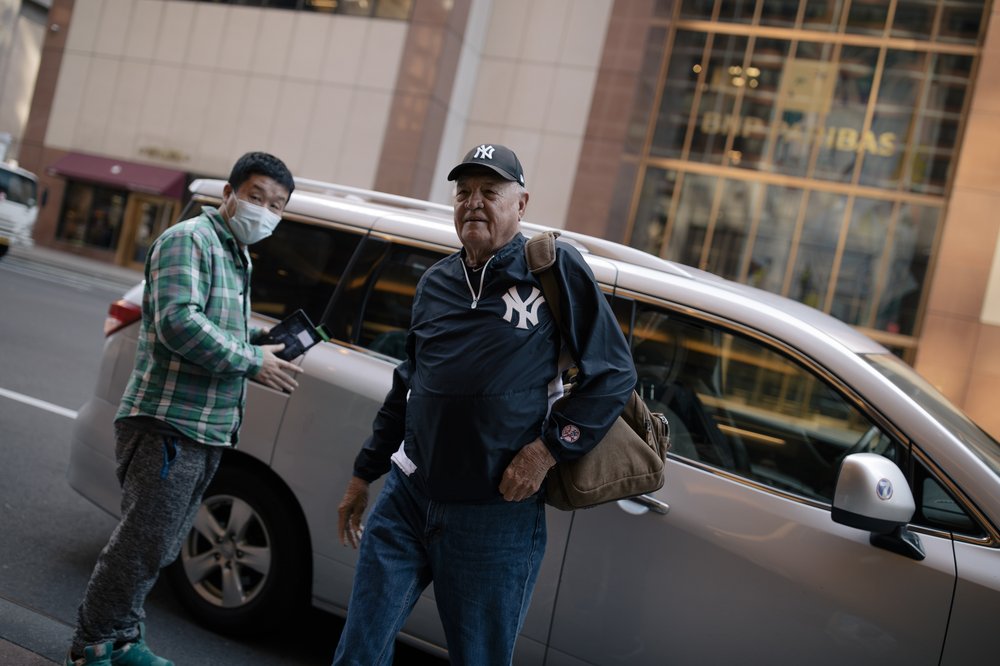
x=474, y=388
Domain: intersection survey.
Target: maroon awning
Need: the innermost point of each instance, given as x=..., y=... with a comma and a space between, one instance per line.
x=120, y=173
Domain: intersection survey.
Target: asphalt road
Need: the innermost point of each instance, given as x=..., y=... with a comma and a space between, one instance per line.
x=51, y=339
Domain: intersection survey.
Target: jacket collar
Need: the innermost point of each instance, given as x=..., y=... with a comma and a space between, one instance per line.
x=222, y=231
x=503, y=256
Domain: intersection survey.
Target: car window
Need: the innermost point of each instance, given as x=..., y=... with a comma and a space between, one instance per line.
x=379, y=296
x=938, y=508
x=17, y=188
x=299, y=266
x=737, y=404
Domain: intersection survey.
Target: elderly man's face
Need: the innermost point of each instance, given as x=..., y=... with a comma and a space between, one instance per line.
x=488, y=211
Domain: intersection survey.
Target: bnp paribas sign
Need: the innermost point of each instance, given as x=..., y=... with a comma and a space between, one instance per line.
x=816, y=101
x=848, y=139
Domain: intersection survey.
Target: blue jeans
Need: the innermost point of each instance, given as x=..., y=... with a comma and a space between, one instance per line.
x=483, y=560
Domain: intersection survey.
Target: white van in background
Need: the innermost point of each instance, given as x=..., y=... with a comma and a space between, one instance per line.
x=18, y=206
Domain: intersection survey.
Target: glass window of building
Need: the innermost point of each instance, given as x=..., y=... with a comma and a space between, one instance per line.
x=805, y=146
x=91, y=215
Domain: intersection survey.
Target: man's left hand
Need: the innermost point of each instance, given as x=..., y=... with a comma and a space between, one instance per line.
x=525, y=473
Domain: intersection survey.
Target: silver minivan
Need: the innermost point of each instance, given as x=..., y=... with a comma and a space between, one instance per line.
x=823, y=503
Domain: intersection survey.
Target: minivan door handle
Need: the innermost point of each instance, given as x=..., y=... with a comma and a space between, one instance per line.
x=646, y=503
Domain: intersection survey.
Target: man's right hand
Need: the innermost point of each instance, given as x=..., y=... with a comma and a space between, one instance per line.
x=349, y=513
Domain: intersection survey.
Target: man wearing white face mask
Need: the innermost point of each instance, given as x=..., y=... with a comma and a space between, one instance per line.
x=184, y=401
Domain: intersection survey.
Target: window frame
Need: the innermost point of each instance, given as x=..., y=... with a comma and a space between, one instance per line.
x=911, y=454
x=326, y=225
x=371, y=270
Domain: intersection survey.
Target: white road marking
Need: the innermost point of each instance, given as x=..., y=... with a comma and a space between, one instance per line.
x=35, y=402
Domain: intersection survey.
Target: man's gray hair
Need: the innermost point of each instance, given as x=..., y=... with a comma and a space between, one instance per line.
x=521, y=189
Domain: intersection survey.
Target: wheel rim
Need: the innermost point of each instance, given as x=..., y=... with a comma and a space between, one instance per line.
x=227, y=554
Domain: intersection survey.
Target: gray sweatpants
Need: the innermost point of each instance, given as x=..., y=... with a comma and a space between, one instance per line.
x=163, y=479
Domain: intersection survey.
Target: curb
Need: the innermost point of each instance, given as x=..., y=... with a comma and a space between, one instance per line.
x=45, y=638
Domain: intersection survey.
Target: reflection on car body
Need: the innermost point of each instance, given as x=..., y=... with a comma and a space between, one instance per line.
x=738, y=554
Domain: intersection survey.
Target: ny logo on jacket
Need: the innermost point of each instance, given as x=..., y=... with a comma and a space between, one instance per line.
x=527, y=310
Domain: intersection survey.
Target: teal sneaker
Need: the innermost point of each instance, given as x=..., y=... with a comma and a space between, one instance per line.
x=93, y=655
x=137, y=653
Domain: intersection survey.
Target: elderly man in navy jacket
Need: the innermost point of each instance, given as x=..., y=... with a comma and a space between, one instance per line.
x=474, y=420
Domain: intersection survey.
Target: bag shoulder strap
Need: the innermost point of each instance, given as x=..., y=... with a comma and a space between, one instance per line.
x=540, y=251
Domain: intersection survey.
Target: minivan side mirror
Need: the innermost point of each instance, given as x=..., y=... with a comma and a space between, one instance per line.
x=872, y=494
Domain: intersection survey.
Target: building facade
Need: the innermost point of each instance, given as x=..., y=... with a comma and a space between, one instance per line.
x=840, y=152
x=22, y=29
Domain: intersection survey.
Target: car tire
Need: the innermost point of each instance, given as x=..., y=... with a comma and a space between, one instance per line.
x=244, y=566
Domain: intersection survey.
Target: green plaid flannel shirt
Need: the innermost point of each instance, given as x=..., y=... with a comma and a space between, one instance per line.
x=194, y=352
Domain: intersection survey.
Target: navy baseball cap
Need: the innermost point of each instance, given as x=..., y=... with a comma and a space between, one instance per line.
x=499, y=158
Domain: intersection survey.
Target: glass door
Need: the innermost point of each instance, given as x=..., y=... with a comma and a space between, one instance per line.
x=146, y=218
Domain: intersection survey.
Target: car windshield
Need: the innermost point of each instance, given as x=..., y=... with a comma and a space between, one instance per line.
x=928, y=397
x=17, y=188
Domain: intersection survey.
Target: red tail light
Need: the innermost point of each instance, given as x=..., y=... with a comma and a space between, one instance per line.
x=121, y=313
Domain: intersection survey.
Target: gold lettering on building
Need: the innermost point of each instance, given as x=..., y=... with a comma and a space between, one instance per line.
x=846, y=139
x=165, y=154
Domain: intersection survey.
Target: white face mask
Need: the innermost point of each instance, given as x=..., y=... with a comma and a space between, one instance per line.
x=251, y=223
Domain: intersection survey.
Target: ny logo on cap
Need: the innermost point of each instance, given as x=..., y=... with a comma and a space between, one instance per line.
x=484, y=152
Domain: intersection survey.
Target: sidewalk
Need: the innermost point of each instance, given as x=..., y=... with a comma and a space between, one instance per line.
x=49, y=258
